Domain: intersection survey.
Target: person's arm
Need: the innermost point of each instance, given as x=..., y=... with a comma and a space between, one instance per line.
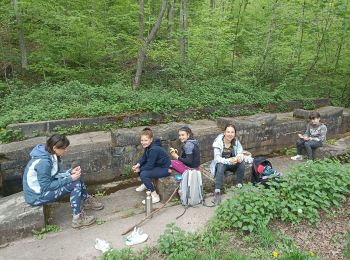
x=188, y=150
x=142, y=160
x=151, y=160
x=322, y=134
x=239, y=148
x=45, y=180
x=307, y=132
x=218, y=157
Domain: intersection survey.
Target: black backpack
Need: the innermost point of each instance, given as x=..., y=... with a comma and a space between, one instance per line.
x=262, y=171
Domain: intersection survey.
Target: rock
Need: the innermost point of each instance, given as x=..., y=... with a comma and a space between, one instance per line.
x=18, y=219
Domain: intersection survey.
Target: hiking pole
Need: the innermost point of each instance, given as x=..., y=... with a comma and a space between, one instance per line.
x=152, y=213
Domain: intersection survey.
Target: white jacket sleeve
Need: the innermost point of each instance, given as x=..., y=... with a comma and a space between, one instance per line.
x=218, y=157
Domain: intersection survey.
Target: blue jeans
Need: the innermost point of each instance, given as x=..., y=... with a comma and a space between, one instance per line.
x=77, y=190
x=155, y=173
x=220, y=173
x=308, y=146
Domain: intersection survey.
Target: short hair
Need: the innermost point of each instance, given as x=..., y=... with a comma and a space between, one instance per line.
x=314, y=114
x=187, y=130
x=147, y=131
x=59, y=141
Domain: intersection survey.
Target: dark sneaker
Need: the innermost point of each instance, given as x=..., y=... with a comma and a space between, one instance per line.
x=92, y=203
x=83, y=220
x=217, y=198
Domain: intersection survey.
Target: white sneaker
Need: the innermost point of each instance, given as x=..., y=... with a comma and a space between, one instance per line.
x=297, y=158
x=136, y=237
x=155, y=199
x=142, y=187
x=239, y=185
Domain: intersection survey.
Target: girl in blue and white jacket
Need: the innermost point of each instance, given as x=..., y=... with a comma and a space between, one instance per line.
x=44, y=182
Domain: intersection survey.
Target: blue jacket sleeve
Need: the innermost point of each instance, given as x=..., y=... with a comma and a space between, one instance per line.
x=143, y=159
x=151, y=160
x=46, y=181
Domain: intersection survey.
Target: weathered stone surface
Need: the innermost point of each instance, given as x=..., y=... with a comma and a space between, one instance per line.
x=18, y=219
x=107, y=156
x=48, y=127
x=340, y=147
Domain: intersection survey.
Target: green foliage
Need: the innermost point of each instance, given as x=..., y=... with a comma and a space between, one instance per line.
x=114, y=254
x=347, y=249
x=295, y=197
x=175, y=241
x=9, y=135
x=45, y=230
x=100, y=221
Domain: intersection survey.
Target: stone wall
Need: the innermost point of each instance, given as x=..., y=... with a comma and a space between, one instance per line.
x=108, y=156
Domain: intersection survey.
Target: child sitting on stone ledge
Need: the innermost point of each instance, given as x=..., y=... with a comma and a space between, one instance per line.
x=190, y=153
x=154, y=163
x=314, y=137
x=44, y=182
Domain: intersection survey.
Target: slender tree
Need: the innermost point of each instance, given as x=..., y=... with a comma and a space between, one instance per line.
x=183, y=31
x=22, y=46
x=147, y=42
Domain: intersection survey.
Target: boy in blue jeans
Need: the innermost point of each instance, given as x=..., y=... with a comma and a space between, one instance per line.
x=314, y=137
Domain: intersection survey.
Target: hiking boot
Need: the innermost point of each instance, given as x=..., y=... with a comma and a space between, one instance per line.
x=217, y=198
x=142, y=187
x=297, y=158
x=155, y=199
x=82, y=220
x=92, y=203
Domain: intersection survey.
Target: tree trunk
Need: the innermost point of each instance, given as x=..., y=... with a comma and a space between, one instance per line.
x=24, y=62
x=142, y=52
x=171, y=19
x=142, y=20
x=301, y=31
x=269, y=36
x=183, y=31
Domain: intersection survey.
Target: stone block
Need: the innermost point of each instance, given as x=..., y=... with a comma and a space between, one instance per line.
x=18, y=219
x=340, y=147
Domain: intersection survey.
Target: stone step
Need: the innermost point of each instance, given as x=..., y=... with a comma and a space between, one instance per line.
x=18, y=219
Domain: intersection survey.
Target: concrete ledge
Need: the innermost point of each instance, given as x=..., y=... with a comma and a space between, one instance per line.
x=18, y=219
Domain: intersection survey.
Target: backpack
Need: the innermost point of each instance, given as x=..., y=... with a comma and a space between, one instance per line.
x=262, y=171
x=191, y=188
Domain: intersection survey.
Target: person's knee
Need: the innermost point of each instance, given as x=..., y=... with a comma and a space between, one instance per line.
x=307, y=144
x=299, y=142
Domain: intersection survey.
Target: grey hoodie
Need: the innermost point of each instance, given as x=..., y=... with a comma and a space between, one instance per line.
x=218, y=146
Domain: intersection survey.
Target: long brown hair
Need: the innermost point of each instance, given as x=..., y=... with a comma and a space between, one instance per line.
x=233, y=142
x=59, y=141
x=187, y=130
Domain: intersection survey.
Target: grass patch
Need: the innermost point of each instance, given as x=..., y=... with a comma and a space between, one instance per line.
x=45, y=230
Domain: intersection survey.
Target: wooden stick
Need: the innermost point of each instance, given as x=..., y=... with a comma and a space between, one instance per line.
x=150, y=215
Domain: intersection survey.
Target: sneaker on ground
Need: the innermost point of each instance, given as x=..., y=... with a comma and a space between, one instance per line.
x=92, y=203
x=142, y=187
x=155, y=199
x=83, y=220
x=239, y=185
x=297, y=158
x=137, y=238
x=217, y=198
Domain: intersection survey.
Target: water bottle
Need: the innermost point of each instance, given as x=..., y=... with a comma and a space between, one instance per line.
x=148, y=203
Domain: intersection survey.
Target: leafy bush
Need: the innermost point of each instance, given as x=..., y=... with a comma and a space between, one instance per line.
x=306, y=189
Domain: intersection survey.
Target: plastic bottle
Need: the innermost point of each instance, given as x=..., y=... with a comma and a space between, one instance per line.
x=148, y=204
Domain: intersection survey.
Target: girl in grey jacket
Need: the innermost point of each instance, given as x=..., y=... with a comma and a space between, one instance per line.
x=314, y=137
x=226, y=150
